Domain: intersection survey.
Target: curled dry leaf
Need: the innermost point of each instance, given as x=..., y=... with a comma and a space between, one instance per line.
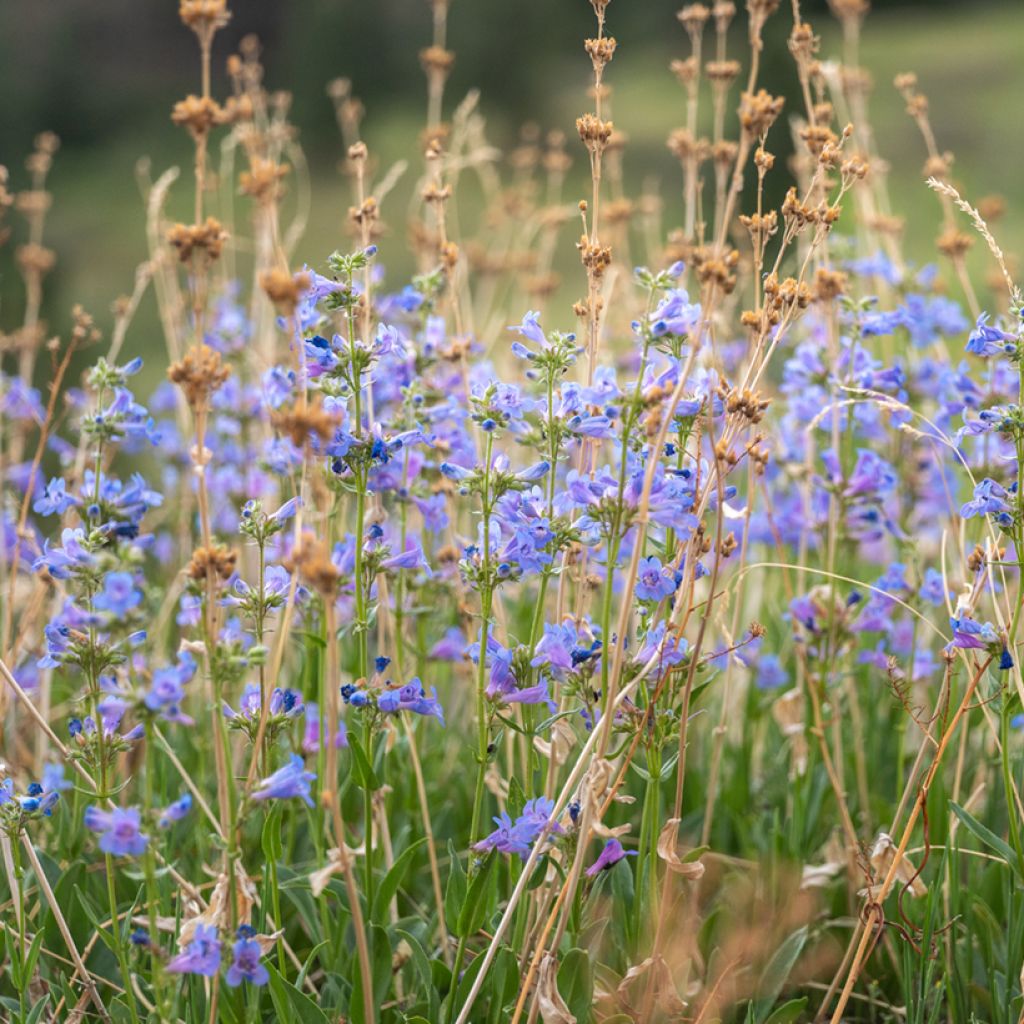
x=561, y=742
x=605, y=832
x=669, y=853
x=553, y=1009
x=218, y=911
x=883, y=853
x=335, y=865
x=816, y=876
x=266, y=942
x=788, y=712
x=655, y=980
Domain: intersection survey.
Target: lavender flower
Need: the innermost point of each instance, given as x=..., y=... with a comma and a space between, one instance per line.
x=119, y=830
x=290, y=781
x=609, y=857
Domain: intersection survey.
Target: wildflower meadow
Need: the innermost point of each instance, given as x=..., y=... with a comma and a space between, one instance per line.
x=429, y=649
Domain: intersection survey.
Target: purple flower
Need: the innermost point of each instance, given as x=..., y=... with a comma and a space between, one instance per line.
x=55, y=499
x=246, y=965
x=968, y=634
x=770, y=673
x=311, y=732
x=986, y=340
x=119, y=830
x=411, y=697
x=201, y=955
x=518, y=836
x=451, y=647
x=175, y=811
x=119, y=595
x=653, y=581
x=290, y=781
x=989, y=498
x=609, y=857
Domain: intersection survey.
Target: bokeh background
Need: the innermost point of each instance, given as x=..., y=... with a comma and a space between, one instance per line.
x=104, y=74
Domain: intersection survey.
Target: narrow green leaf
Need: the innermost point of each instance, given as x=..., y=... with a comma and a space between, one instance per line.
x=474, y=908
x=392, y=881
x=777, y=970
x=576, y=984
x=988, y=837
x=787, y=1013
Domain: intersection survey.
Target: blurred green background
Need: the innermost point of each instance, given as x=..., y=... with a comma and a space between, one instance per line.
x=104, y=75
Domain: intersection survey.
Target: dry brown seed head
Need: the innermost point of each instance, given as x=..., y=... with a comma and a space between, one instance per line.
x=213, y=562
x=263, y=181
x=992, y=208
x=693, y=18
x=596, y=258
x=821, y=142
x=199, y=373
x=954, y=243
x=198, y=114
x=722, y=72
x=828, y=284
x=436, y=60
x=686, y=71
x=938, y=166
x=758, y=112
x=206, y=240
x=594, y=132
x=803, y=43
x=305, y=421
x=204, y=17
x=723, y=152
x=284, y=289
x=33, y=202
x=35, y=259
x=600, y=51
x=311, y=558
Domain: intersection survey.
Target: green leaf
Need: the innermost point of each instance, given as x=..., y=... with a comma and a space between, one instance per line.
x=576, y=984
x=421, y=963
x=777, y=970
x=788, y=1012
x=290, y=1004
x=455, y=891
x=380, y=976
x=505, y=980
x=97, y=922
x=36, y=1013
x=392, y=881
x=989, y=838
x=33, y=956
x=366, y=777
x=273, y=850
x=474, y=908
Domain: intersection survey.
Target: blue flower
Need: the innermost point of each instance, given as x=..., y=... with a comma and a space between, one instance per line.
x=119, y=595
x=175, y=811
x=770, y=673
x=119, y=830
x=290, y=781
x=518, y=836
x=55, y=499
x=609, y=857
x=411, y=697
x=986, y=340
x=246, y=965
x=201, y=956
x=653, y=581
x=989, y=498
